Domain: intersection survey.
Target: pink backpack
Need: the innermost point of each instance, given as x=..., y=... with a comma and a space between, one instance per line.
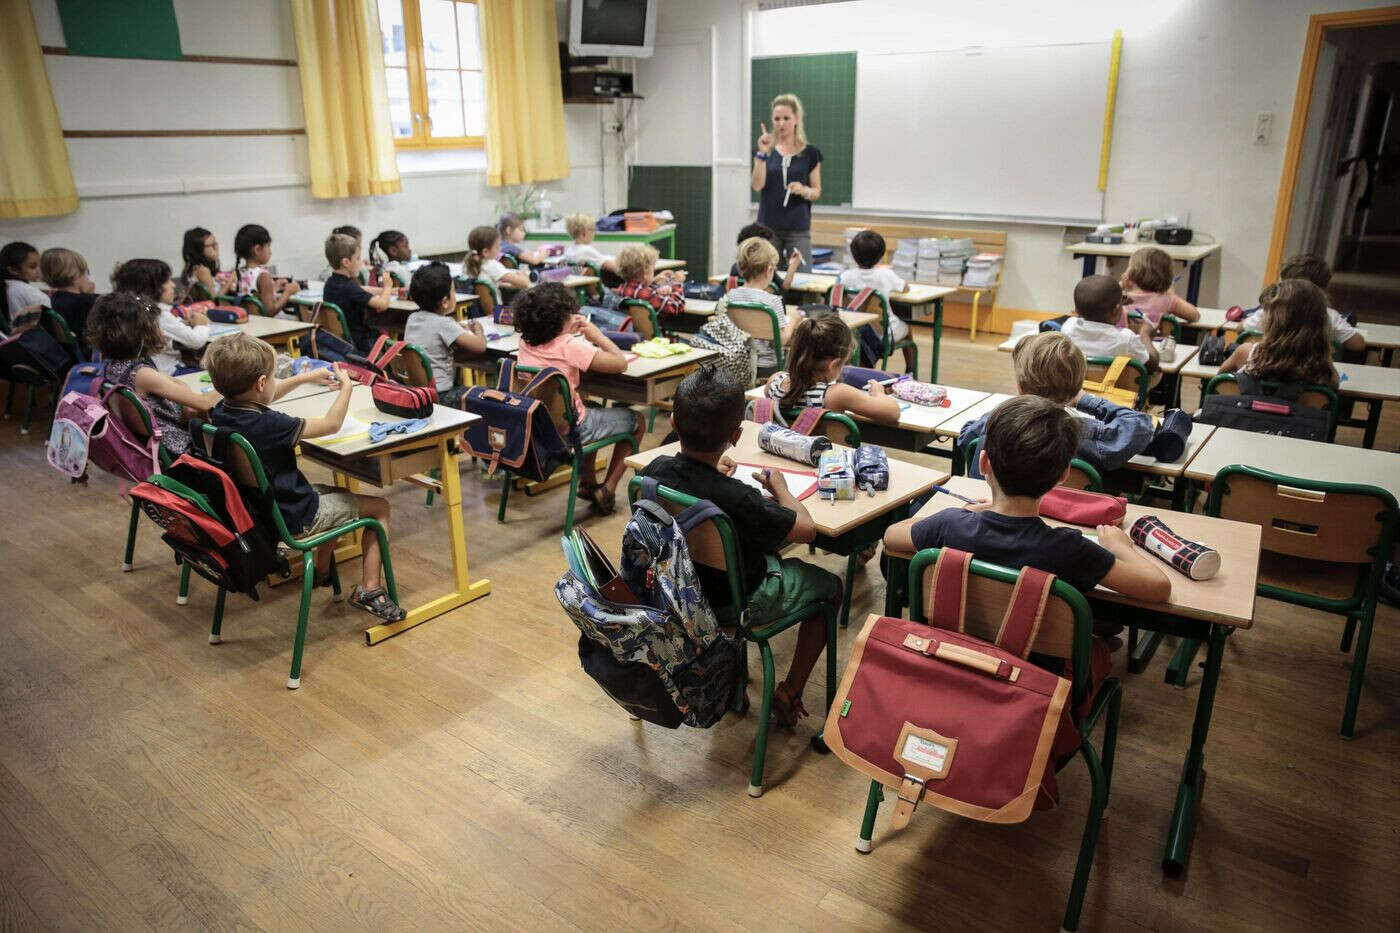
x=85, y=430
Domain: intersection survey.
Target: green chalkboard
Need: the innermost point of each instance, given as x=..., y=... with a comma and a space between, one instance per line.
x=826, y=84
x=122, y=28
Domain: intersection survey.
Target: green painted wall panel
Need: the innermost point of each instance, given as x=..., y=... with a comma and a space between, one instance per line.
x=124, y=28
x=684, y=190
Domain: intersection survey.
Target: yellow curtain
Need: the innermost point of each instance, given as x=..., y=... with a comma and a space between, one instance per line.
x=341, y=61
x=525, y=138
x=35, y=179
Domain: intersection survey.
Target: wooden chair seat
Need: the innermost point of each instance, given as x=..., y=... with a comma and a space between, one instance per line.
x=1323, y=579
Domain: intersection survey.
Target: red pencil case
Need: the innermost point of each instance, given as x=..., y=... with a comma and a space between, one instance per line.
x=1081, y=507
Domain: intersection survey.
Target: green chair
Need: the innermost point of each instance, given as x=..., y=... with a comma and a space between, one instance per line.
x=760, y=321
x=127, y=405
x=645, y=321
x=1324, y=546
x=324, y=314
x=1097, y=366
x=734, y=281
x=559, y=401
x=878, y=303
x=1082, y=473
x=837, y=425
x=488, y=296
x=1312, y=396
x=58, y=328
x=1066, y=631
x=253, y=305
x=198, y=291
x=247, y=471
x=713, y=544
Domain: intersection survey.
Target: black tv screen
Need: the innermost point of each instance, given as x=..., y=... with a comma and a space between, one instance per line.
x=613, y=22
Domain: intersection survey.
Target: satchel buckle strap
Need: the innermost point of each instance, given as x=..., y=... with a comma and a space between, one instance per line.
x=911, y=791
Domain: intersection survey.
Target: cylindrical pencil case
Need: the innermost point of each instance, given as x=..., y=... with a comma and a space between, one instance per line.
x=1189, y=557
x=785, y=442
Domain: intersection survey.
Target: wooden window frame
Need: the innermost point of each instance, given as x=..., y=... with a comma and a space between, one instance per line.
x=418, y=85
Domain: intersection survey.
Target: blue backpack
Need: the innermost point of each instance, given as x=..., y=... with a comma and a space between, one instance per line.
x=516, y=429
x=648, y=636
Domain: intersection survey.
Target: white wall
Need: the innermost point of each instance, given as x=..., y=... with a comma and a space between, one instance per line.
x=1194, y=74
x=138, y=195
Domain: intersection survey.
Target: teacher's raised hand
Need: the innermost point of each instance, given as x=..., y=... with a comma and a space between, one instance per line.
x=765, y=140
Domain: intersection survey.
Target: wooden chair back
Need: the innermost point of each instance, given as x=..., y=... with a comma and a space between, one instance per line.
x=486, y=297
x=756, y=321
x=1308, y=520
x=1127, y=379
x=1310, y=397
x=125, y=405
x=1080, y=478
x=641, y=314
x=986, y=600
x=411, y=367
x=553, y=394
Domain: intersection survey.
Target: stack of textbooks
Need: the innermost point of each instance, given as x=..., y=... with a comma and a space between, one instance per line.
x=982, y=270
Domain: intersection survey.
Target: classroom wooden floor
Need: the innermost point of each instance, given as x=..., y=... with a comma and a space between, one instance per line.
x=467, y=775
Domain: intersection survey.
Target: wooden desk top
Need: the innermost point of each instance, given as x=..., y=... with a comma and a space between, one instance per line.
x=580, y=281
x=664, y=264
x=1184, y=353
x=832, y=519
x=197, y=383
x=642, y=368
x=918, y=419
x=917, y=293
x=1226, y=599
x=362, y=412
x=271, y=329
x=1291, y=456
x=1211, y=319
x=1179, y=253
x=950, y=426
x=1381, y=336
x=601, y=234
x=705, y=307
x=1358, y=380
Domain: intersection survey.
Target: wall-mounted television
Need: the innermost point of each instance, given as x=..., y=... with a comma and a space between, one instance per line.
x=621, y=28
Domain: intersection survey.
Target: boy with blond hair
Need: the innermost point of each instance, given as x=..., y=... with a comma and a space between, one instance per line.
x=243, y=369
x=637, y=266
x=581, y=229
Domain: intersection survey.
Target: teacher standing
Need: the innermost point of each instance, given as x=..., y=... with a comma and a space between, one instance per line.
x=788, y=174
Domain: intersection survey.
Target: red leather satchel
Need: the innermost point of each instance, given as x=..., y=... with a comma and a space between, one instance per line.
x=945, y=716
x=395, y=398
x=1081, y=507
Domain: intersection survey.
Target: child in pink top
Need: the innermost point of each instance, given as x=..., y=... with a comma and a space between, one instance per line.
x=1147, y=289
x=552, y=333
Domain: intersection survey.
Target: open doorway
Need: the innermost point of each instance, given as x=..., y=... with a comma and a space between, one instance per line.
x=1340, y=195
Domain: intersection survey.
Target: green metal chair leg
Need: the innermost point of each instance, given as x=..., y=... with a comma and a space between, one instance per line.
x=1180, y=665
x=1347, y=634
x=389, y=585
x=830, y=657
x=852, y=562
x=1358, y=670
x=573, y=498
x=867, y=823
x=336, y=594
x=28, y=408
x=434, y=473
x=217, y=627
x=308, y=579
x=184, y=596
x=505, y=494
x=765, y=709
x=651, y=420
x=131, y=538
x=9, y=400
x=1110, y=738
x=1090, y=838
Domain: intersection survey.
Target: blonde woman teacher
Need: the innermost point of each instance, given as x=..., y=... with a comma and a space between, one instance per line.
x=787, y=173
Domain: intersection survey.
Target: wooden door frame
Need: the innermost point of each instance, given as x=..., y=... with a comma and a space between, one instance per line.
x=1302, y=101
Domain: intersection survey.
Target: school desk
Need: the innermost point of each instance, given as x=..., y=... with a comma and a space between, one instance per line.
x=1205, y=610
x=1194, y=256
x=1374, y=385
x=1184, y=353
x=917, y=427
x=1382, y=337
x=277, y=331
x=845, y=527
x=667, y=265
x=700, y=310
x=398, y=458
x=664, y=234
x=1292, y=456
x=198, y=383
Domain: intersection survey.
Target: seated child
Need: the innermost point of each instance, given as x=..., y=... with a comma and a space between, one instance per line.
x=391, y=253
x=1294, y=347
x=794, y=259
x=1316, y=271
x=511, y=227
x=1025, y=452
x=252, y=250
x=73, y=289
x=820, y=347
x=434, y=330
x=343, y=289
x=637, y=266
x=19, y=266
x=125, y=328
x=1147, y=289
x=553, y=333
x=758, y=262
x=1094, y=326
x=708, y=414
x=582, y=228
x=354, y=233
x=1048, y=365
x=200, y=251
x=243, y=369
x=868, y=249
x=483, y=260
x=150, y=279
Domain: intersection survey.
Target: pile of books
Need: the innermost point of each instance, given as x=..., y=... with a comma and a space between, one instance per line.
x=982, y=270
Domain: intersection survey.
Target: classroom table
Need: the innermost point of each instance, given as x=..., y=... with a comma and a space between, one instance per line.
x=199, y=382
x=280, y=332
x=1382, y=337
x=351, y=456
x=846, y=527
x=664, y=234
x=1194, y=256
x=1184, y=353
x=702, y=309
x=1374, y=385
x=918, y=424
x=1205, y=610
x=668, y=265
x=1292, y=456
x=393, y=319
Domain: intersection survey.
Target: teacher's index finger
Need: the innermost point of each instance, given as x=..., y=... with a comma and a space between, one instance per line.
x=761, y=128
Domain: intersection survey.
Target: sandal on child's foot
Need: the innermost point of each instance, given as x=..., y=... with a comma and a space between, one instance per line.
x=377, y=603
x=321, y=580
x=604, y=502
x=787, y=705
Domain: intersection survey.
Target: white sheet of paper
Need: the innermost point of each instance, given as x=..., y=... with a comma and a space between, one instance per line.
x=349, y=427
x=749, y=474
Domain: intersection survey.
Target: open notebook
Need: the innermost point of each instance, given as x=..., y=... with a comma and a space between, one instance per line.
x=801, y=483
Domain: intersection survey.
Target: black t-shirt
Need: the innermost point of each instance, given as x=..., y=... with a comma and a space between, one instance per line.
x=352, y=299
x=1017, y=542
x=274, y=436
x=760, y=524
x=797, y=215
x=73, y=307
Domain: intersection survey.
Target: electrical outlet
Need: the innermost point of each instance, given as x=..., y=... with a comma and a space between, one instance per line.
x=1263, y=124
x=613, y=127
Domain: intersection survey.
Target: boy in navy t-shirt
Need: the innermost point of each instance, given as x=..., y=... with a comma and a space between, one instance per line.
x=343, y=289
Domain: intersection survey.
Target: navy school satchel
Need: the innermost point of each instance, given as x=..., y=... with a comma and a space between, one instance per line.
x=515, y=430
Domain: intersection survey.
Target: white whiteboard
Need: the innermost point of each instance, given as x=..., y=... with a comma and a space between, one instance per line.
x=1002, y=132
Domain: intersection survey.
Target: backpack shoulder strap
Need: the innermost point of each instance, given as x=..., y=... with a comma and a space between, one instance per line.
x=858, y=302
x=837, y=296
x=1021, y=622
x=945, y=590
x=1115, y=369
x=539, y=379
x=1248, y=384
x=378, y=347
x=647, y=489
x=763, y=409
x=807, y=420
x=506, y=374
